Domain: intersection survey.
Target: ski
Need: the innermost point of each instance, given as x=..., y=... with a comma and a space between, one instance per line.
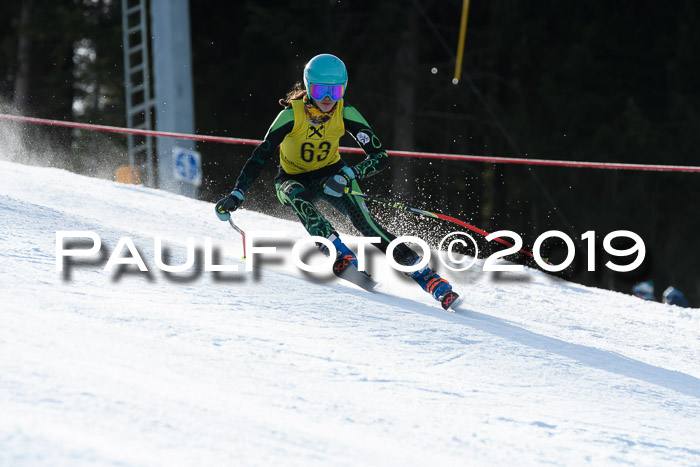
x=449, y=301
x=344, y=269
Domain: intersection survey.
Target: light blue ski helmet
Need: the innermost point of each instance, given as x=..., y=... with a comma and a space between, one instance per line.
x=325, y=69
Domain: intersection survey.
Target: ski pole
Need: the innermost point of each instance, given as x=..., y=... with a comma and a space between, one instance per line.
x=240, y=231
x=403, y=207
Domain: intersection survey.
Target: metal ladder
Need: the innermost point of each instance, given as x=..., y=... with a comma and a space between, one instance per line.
x=140, y=104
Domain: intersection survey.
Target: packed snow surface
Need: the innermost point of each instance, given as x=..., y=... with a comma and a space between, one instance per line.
x=278, y=366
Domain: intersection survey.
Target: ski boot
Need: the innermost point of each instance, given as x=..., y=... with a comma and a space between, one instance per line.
x=345, y=265
x=341, y=251
x=435, y=285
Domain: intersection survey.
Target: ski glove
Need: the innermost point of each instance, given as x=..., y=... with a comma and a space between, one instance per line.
x=229, y=204
x=336, y=184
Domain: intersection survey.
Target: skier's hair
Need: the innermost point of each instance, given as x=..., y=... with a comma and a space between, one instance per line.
x=297, y=92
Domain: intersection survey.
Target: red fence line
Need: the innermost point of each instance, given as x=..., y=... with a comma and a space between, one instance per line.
x=427, y=155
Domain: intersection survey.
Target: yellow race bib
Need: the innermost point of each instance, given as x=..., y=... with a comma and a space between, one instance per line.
x=311, y=147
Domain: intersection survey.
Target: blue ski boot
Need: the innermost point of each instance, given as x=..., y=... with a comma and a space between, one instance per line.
x=435, y=285
x=345, y=265
x=341, y=251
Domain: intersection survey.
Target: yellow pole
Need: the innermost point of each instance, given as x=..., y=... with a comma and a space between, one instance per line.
x=460, y=45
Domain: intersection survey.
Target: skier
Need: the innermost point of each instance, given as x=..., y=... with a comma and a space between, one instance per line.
x=307, y=132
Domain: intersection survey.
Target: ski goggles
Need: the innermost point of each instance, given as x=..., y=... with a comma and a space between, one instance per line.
x=334, y=91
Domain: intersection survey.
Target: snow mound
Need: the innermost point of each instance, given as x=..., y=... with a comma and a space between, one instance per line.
x=280, y=366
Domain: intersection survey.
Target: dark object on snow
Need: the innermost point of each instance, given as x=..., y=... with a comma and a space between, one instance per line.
x=644, y=290
x=673, y=296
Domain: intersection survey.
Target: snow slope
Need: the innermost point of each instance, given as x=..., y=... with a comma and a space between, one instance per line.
x=278, y=366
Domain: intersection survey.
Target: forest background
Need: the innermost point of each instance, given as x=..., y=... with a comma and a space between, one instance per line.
x=578, y=81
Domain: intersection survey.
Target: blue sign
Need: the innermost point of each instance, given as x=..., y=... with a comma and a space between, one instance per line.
x=187, y=166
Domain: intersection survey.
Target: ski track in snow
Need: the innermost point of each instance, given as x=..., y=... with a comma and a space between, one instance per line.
x=278, y=366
